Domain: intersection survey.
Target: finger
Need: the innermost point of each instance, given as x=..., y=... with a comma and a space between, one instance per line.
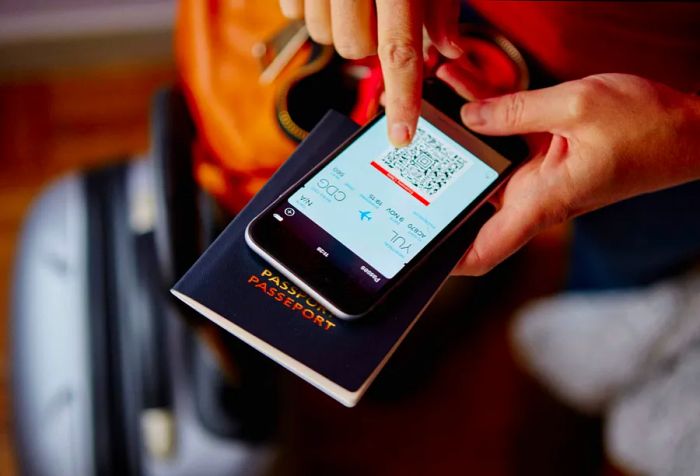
x=529, y=202
x=442, y=21
x=292, y=8
x=317, y=15
x=497, y=199
x=501, y=236
x=540, y=110
x=464, y=79
x=400, y=48
x=354, y=28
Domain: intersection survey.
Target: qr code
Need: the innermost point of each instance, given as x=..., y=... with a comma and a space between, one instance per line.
x=428, y=165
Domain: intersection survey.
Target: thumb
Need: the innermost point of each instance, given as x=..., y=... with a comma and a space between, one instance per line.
x=501, y=236
x=524, y=112
x=509, y=229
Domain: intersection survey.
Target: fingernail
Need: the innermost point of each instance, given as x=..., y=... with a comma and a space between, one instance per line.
x=473, y=114
x=400, y=134
x=457, y=49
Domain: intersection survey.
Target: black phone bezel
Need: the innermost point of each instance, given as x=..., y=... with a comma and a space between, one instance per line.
x=304, y=262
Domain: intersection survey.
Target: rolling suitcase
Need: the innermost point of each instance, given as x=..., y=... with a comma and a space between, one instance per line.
x=108, y=376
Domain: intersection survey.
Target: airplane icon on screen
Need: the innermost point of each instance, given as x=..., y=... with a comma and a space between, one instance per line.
x=365, y=215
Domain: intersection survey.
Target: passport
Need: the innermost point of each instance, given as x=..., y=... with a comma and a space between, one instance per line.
x=236, y=289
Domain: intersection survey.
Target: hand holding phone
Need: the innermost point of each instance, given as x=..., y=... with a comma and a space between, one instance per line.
x=359, y=222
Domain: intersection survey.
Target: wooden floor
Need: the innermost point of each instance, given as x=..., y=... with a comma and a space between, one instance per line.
x=52, y=123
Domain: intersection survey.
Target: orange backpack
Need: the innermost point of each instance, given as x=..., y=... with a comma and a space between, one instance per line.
x=240, y=63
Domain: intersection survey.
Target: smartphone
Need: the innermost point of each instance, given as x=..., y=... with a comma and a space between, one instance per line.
x=363, y=219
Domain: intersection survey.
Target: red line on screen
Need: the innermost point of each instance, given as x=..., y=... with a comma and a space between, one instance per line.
x=398, y=182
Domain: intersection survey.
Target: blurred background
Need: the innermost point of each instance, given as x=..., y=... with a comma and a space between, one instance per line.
x=121, y=167
x=77, y=78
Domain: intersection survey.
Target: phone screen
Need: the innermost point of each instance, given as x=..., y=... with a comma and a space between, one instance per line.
x=373, y=208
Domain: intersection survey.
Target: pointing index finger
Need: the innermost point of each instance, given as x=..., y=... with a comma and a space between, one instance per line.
x=400, y=40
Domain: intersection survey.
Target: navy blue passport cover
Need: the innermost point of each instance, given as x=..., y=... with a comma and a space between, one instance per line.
x=236, y=289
